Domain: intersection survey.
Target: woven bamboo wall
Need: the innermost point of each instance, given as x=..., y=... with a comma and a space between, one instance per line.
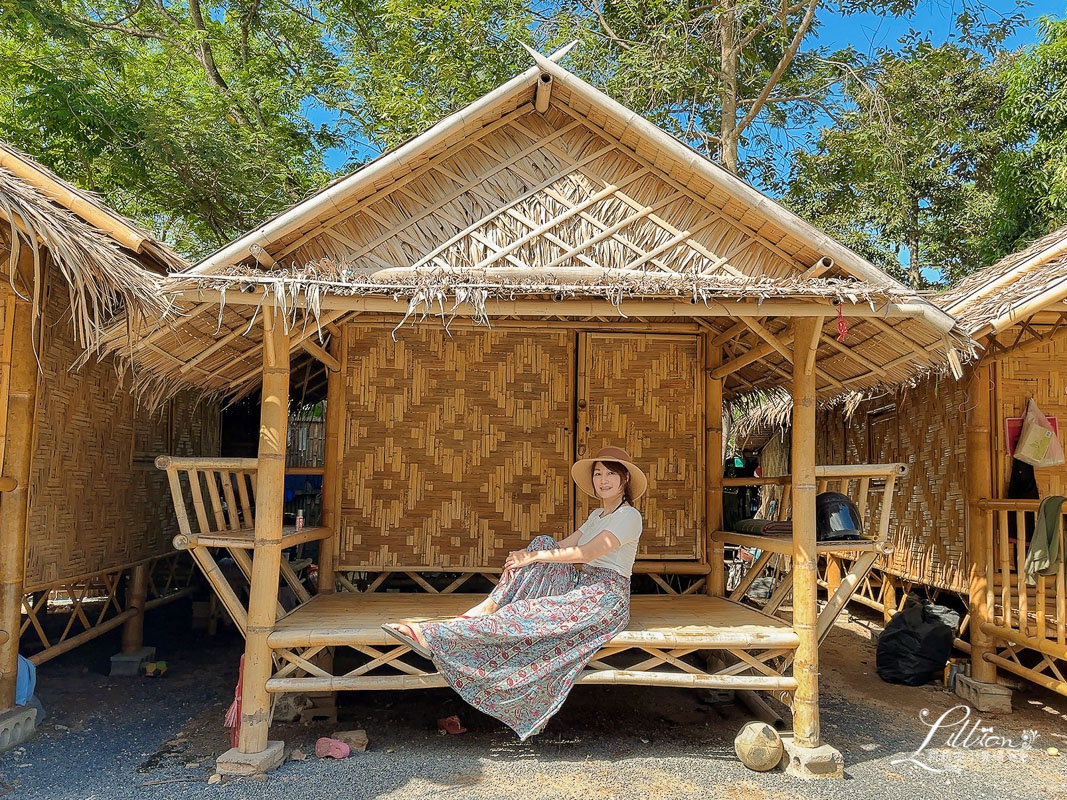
x=926, y=431
x=96, y=499
x=644, y=387
x=455, y=450
x=458, y=450
x=774, y=459
x=1042, y=374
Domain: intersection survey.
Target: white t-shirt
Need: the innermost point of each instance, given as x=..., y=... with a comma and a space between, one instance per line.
x=626, y=524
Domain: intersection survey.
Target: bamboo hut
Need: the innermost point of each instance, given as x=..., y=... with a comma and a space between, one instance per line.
x=588, y=279
x=955, y=531
x=79, y=513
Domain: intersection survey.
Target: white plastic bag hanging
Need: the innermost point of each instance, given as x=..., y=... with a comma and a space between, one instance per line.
x=1038, y=443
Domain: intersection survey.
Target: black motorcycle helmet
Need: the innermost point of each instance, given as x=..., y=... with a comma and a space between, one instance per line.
x=836, y=517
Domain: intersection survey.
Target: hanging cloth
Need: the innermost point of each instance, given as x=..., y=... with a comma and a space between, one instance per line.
x=1045, y=554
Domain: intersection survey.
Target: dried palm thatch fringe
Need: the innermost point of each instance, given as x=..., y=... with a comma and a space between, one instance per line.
x=101, y=279
x=427, y=288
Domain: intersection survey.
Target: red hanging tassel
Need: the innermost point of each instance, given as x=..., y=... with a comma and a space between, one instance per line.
x=842, y=326
x=233, y=713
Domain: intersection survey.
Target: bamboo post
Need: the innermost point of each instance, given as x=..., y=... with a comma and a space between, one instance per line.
x=136, y=594
x=805, y=609
x=716, y=584
x=979, y=486
x=270, y=493
x=331, y=487
x=14, y=505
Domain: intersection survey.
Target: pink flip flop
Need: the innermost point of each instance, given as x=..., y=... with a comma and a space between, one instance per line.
x=451, y=725
x=328, y=747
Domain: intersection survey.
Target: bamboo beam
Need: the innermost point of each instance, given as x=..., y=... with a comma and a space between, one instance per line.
x=543, y=93
x=716, y=583
x=14, y=505
x=270, y=492
x=979, y=535
x=596, y=307
x=805, y=557
x=331, y=363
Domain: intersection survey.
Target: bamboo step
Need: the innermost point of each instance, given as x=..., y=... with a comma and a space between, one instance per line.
x=245, y=538
x=698, y=621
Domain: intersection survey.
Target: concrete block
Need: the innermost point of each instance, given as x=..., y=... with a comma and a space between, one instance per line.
x=234, y=762
x=16, y=726
x=823, y=761
x=985, y=697
x=127, y=664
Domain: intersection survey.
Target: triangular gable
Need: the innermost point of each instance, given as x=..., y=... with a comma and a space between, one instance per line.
x=586, y=185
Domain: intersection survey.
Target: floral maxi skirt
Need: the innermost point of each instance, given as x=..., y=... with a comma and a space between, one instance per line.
x=519, y=663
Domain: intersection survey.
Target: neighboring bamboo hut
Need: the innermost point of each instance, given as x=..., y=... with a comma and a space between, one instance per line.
x=600, y=283
x=80, y=518
x=954, y=435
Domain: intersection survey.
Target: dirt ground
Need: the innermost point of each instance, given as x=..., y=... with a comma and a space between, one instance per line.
x=142, y=737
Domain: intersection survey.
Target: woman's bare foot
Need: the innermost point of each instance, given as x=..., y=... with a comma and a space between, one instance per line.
x=487, y=606
x=412, y=629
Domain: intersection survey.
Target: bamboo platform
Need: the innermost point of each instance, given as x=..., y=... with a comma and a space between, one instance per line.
x=701, y=621
x=661, y=631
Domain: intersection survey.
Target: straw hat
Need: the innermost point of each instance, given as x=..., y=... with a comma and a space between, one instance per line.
x=582, y=471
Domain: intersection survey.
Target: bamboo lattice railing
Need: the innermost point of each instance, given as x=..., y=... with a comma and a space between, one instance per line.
x=214, y=501
x=848, y=563
x=1027, y=623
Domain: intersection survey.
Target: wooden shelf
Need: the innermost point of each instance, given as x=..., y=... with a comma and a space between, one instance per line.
x=245, y=539
x=784, y=543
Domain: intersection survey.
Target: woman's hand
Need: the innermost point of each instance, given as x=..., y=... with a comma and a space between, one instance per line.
x=516, y=560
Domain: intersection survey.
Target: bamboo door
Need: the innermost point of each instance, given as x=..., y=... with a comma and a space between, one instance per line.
x=643, y=392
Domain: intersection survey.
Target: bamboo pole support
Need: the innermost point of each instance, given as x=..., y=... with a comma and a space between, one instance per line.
x=805, y=574
x=716, y=583
x=14, y=505
x=331, y=487
x=133, y=630
x=833, y=573
x=270, y=493
x=979, y=535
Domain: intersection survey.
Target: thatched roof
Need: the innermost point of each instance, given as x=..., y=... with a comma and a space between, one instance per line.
x=544, y=199
x=1012, y=290
x=107, y=261
x=1014, y=304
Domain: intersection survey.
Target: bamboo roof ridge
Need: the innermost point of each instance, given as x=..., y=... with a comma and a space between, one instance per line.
x=104, y=272
x=544, y=199
x=1012, y=289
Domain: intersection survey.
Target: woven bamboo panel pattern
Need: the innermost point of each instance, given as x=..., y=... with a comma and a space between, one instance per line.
x=96, y=500
x=924, y=429
x=455, y=450
x=643, y=394
x=1040, y=373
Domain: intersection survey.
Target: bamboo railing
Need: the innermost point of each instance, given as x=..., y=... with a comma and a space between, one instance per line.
x=214, y=501
x=871, y=487
x=1027, y=623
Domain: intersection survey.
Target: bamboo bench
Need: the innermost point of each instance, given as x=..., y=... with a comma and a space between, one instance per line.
x=219, y=495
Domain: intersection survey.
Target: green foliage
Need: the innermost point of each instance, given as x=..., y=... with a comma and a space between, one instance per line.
x=911, y=166
x=1032, y=177
x=187, y=117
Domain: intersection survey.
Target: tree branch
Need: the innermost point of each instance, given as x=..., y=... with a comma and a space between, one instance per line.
x=783, y=65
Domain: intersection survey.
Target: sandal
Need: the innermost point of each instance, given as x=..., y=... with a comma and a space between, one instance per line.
x=408, y=640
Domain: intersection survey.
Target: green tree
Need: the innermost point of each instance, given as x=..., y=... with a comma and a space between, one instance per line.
x=1032, y=177
x=188, y=116
x=907, y=173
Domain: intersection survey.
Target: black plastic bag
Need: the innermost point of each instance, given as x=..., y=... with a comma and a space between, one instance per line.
x=917, y=642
